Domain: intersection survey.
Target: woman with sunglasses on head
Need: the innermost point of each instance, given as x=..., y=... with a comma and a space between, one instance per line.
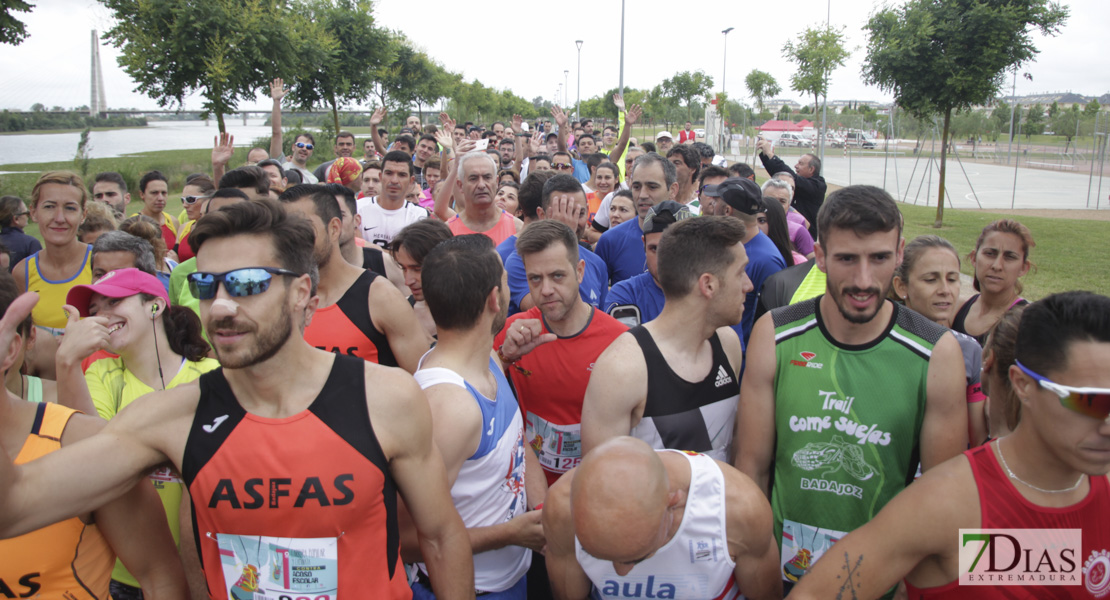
x=1049, y=474
x=928, y=281
x=159, y=347
x=13, y=218
x=58, y=206
x=198, y=187
x=1000, y=259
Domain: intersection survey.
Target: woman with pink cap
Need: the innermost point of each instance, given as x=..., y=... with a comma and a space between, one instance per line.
x=160, y=347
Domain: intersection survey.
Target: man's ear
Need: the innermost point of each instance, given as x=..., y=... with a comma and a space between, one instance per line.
x=819, y=255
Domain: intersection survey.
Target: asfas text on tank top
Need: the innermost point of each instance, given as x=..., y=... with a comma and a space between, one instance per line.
x=1001, y=506
x=847, y=421
x=489, y=488
x=694, y=564
x=682, y=415
x=300, y=506
x=346, y=327
x=68, y=559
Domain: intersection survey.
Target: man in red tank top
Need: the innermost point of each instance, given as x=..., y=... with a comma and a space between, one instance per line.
x=1050, y=474
x=295, y=456
x=359, y=313
x=477, y=180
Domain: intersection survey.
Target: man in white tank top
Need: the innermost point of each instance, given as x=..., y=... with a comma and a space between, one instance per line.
x=476, y=422
x=632, y=522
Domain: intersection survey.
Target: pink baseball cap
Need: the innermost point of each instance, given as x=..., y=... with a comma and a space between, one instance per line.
x=120, y=283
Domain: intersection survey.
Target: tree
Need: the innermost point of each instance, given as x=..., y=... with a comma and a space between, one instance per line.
x=224, y=49
x=1092, y=108
x=1034, y=120
x=819, y=52
x=1067, y=123
x=411, y=78
x=937, y=56
x=12, y=30
x=338, y=54
x=761, y=85
x=686, y=87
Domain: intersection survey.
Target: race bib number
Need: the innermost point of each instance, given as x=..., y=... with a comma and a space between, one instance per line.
x=258, y=567
x=559, y=447
x=802, y=545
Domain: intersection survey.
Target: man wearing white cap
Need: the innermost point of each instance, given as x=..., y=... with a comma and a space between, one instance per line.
x=663, y=142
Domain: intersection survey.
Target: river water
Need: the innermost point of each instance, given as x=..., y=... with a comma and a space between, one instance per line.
x=158, y=135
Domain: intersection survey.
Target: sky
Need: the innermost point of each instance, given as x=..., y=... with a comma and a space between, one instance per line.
x=530, y=48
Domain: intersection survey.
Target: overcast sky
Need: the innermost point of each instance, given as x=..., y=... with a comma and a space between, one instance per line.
x=527, y=46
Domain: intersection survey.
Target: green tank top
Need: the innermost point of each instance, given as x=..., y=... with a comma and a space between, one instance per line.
x=847, y=421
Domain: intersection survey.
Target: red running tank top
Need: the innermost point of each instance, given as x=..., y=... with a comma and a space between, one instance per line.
x=1003, y=507
x=296, y=507
x=500, y=232
x=346, y=328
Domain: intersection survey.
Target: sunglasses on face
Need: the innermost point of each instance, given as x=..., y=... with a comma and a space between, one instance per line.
x=561, y=167
x=189, y=199
x=1090, y=402
x=304, y=145
x=238, y=283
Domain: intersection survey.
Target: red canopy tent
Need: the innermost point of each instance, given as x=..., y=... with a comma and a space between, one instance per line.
x=776, y=125
x=805, y=124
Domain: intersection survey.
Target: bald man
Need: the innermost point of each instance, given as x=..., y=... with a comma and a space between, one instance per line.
x=633, y=522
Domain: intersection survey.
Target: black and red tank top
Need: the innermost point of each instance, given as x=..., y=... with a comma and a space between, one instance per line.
x=1003, y=507
x=295, y=507
x=346, y=328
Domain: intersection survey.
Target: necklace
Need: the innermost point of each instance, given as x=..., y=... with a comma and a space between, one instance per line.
x=1027, y=484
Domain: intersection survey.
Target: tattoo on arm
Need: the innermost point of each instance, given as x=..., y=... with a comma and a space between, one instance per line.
x=849, y=586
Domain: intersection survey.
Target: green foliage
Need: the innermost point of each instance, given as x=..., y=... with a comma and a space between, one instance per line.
x=1034, y=120
x=42, y=120
x=1053, y=109
x=12, y=30
x=225, y=50
x=411, y=78
x=339, y=49
x=937, y=56
x=817, y=54
x=761, y=85
x=686, y=87
x=1092, y=108
x=83, y=150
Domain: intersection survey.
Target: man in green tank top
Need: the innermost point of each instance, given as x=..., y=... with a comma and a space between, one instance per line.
x=844, y=394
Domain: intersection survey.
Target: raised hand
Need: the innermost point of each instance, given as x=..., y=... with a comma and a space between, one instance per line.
x=619, y=101
x=445, y=139
x=377, y=117
x=447, y=122
x=223, y=147
x=466, y=145
x=561, y=118
x=278, y=89
x=82, y=337
x=536, y=142
x=18, y=310
x=633, y=115
x=566, y=209
x=517, y=121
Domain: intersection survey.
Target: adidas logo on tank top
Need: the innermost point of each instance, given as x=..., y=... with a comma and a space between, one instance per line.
x=723, y=378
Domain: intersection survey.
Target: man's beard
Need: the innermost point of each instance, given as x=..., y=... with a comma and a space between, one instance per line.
x=268, y=344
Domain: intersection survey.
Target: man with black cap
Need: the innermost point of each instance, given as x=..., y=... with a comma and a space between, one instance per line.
x=740, y=198
x=639, y=299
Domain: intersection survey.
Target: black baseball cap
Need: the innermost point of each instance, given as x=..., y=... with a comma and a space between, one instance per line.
x=741, y=194
x=663, y=215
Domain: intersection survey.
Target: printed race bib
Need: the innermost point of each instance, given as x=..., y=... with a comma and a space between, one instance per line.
x=258, y=567
x=802, y=545
x=559, y=446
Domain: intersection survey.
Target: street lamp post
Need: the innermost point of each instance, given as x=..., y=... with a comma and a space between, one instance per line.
x=566, y=88
x=578, y=102
x=724, y=91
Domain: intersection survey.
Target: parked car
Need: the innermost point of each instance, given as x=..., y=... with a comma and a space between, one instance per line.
x=700, y=133
x=833, y=140
x=795, y=140
x=859, y=139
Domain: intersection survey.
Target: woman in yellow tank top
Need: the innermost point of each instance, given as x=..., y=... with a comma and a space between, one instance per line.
x=58, y=206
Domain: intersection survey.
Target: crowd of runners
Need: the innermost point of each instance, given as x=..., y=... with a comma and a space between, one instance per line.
x=530, y=360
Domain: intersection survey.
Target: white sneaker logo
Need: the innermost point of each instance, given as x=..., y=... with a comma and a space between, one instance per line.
x=219, y=421
x=723, y=378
